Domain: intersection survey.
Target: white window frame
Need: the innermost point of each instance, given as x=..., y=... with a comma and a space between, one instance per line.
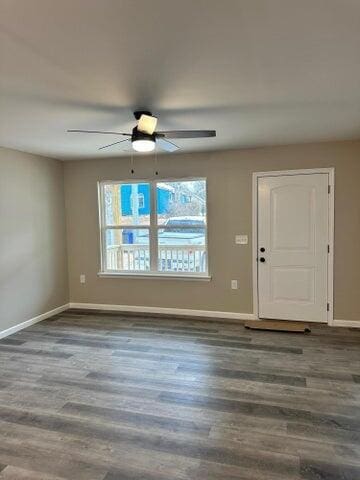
x=153, y=228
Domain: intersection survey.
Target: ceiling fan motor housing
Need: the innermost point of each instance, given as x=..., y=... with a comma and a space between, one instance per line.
x=136, y=135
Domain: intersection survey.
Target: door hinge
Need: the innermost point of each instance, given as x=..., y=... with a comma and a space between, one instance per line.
x=328, y=307
x=328, y=248
x=329, y=188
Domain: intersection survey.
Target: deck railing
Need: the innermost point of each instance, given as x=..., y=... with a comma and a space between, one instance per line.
x=171, y=258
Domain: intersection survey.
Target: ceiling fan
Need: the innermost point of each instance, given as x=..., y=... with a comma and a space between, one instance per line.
x=144, y=138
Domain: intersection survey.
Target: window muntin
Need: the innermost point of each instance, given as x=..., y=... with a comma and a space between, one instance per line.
x=154, y=227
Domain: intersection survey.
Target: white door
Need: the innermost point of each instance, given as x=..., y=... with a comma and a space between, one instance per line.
x=293, y=218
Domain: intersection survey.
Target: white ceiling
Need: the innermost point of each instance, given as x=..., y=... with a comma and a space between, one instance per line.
x=260, y=72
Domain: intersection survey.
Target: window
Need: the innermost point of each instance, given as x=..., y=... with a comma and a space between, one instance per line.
x=141, y=200
x=154, y=227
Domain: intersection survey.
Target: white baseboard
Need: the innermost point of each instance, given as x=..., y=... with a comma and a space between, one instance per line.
x=346, y=323
x=27, y=323
x=156, y=310
x=165, y=311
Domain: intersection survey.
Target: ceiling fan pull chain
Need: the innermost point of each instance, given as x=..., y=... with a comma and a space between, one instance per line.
x=132, y=164
x=156, y=163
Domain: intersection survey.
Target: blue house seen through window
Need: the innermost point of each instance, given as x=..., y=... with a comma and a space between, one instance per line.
x=177, y=204
x=164, y=198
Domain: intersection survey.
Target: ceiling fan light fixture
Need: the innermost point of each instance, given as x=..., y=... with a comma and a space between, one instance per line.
x=143, y=145
x=147, y=124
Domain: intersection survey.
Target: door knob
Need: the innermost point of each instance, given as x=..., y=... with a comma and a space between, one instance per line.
x=262, y=249
x=262, y=259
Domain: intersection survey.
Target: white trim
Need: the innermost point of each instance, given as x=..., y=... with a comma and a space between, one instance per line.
x=346, y=323
x=165, y=311
x=331, y=207
x=304, y=171
x=153, y=232
x=32, y=321
x=154, y=275
x=153, y=227
x=310, y=171
x=254, y=237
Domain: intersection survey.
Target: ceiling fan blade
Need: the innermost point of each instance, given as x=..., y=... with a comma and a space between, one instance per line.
x=99, y=131
x=147, y=124
x=115, y=143
x=166, y=145
x=186, y=133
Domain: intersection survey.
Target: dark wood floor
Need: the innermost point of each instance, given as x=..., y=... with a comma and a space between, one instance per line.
x=105, y=397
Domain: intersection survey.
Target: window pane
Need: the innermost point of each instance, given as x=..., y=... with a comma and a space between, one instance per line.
x=127, y=203
x=181, y=203
x=182, y=250
x=127, y=249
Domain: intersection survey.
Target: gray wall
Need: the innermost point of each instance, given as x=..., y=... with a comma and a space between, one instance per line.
x=33, y=263
x=33, y=256
x=229, y=195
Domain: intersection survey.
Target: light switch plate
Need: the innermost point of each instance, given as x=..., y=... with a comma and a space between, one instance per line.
x=234, y=284
x=82, y=278
x=241, y=239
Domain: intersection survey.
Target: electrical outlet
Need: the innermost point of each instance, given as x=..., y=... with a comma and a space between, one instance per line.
x=82, y=278
x=234, y=284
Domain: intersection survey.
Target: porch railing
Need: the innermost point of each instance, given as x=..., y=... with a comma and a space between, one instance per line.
x=171, y=258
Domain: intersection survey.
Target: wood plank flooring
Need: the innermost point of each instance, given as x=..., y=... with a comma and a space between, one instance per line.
x=113, y=397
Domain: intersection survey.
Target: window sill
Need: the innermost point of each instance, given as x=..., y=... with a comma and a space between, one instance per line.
x=157, y=276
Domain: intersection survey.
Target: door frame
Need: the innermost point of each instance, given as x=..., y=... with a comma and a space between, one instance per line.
x=331, y=209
